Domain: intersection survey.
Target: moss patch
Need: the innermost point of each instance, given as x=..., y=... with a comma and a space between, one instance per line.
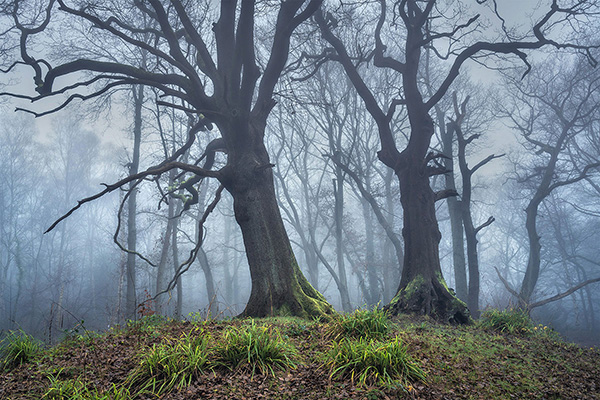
x=432, y=298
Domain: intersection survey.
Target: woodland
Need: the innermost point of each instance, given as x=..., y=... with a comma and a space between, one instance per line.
x=195, y=160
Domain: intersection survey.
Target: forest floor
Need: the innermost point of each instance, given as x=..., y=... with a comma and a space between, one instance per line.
x=459, y=362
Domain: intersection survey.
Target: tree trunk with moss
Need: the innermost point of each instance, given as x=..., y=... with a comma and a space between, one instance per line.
x=422, y=287
x=278, y=285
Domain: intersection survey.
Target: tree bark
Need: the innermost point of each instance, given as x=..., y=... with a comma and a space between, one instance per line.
x=278, y=285
x=422, y=288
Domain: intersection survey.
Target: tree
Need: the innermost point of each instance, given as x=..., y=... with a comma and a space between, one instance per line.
x=558, y=103
x=421, y=25
x=134, y=165
x=16, y=156
x=464, y=205
x=215, y=73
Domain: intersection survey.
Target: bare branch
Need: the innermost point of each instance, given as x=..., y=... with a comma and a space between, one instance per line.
x=152, y=171
x=507, y=285
x=445, y=193
x=515, y=48
x=118, y=228
x=489, y=221
x=563, y=294
x=485, y=161
x=582, y=175
x=181, y=269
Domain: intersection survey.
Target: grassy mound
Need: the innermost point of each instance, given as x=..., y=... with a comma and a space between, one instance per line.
x=355, y=356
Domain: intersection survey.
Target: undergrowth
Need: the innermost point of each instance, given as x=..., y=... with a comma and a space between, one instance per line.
x=257, y=348
x=372, y=323
x=169, y=365
x=355, y=356
x=512, y=320
x=72, y=389
x=18, y=348
x=516, y=322
x=368, y=361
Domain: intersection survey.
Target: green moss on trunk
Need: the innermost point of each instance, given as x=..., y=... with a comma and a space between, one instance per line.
x=431, y=297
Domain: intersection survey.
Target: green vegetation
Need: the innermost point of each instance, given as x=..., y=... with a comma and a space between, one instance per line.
x=351, y=357
x=71, y=389
x=170, y=365
x=361, y=323
x=149, y=324
x=513, y=320
x=258, y=348
x=370, y=361
x=18, y=348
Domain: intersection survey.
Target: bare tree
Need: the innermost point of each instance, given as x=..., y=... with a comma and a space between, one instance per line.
x=214, y=72
x=413, y=26
x=557, y=103
x=464, y=205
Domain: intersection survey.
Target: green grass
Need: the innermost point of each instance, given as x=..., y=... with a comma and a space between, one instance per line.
x=482, y=361
x=254, y=347
x=18, y=348
x=254, y=358
x=372, y=323
x=72, y=389
x=150, y=324
x=513, y=321
x=368, y=362
x=171, y=365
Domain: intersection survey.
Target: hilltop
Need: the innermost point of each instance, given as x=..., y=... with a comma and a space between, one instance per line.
x=502, y=357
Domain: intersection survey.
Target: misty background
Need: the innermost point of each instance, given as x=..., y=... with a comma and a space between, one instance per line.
x=75, y=276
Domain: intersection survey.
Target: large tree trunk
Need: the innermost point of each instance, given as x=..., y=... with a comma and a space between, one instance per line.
x=278, y=285
x=422, y=287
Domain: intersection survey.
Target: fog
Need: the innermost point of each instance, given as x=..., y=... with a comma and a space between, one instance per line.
x=519, y=156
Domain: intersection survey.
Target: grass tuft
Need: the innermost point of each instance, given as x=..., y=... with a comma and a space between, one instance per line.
x=167, y=366
x=18, y=348
x=512, y=320
x=254, y=347
x=369, y=361
x=149, y=324
x=72, y=389
x=372, y=323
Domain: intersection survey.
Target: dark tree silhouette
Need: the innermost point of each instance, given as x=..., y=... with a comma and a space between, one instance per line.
x=212, y=70
x=420, y=25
